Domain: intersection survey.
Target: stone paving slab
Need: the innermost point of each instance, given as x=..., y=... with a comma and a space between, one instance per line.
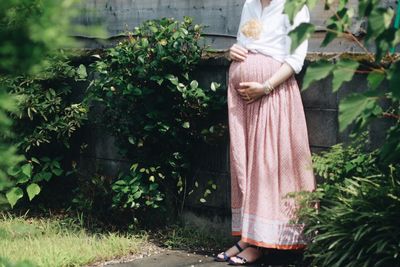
x=185, y=259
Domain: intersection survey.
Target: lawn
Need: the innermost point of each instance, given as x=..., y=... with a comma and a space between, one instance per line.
x=61, y=241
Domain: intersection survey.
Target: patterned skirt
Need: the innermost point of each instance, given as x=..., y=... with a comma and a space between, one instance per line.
x=269, y=157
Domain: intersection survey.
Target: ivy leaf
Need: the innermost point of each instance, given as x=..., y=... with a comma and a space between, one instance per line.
x=351, y=107
x=300, y=34
x=343, y=72
x=33, y=190
x=317, y=71
x=13, y=195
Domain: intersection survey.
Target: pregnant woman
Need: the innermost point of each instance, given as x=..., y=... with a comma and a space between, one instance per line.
x=269, y=147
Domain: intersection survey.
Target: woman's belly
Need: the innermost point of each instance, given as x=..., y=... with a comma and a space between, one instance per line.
x=256, y=67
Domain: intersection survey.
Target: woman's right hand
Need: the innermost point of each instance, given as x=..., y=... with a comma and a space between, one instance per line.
x=238, y=52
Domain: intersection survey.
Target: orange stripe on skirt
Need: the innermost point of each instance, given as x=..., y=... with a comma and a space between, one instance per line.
x=269, y=157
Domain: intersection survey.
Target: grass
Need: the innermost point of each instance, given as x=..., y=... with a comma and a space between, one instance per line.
x=195, y=233
x=61, y=241
x=194, y=239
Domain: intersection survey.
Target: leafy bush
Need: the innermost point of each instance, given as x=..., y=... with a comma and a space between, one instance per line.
x=149, y=102
x=29, y=30
x=356, y=224
x=134, y=191
x=359, y=226
x=46, y=120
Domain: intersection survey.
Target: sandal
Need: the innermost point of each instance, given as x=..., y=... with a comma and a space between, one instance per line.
x=225, y=256
x=244, y=261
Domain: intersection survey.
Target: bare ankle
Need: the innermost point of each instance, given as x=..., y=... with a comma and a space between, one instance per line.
x=244, y=243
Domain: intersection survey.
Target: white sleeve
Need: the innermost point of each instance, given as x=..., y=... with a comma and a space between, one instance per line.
x=296, y=60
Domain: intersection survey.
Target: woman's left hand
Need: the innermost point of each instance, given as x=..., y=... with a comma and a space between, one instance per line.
x=251, y=91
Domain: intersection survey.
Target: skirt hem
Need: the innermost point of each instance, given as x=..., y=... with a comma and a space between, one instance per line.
x=268, y=245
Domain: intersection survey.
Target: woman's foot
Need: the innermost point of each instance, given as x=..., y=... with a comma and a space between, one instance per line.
x=237, y=248
x=249, y=255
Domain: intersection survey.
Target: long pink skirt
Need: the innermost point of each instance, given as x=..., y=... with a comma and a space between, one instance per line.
x=269, y=157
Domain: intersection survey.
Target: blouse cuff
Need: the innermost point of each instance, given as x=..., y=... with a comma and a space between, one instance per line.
x=296, y=60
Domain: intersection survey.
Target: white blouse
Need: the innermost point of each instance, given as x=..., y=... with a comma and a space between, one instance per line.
x=265, y=31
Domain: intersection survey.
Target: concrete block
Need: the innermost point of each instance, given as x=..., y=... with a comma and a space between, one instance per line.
x=322, y=127
x=319, y=95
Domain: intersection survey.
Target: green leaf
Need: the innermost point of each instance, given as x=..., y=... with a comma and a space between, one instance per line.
x=186, y=125
x=394, y=79
x=22, y=179
x=145, y=42
x=42, y=176
x=33, y=190
x=137, y=91
x=134, y=167
x=202, y=200
x=35, y=160
x=131, y=140
x=13, y=195
x=82, y=73
x=27, y=169
x=153, y=186
x=379, y=20
x=215, y=86
x=194, y=84
x=57, y=172
x=13, y=171
x=291, y=8
x=343, y=72
x=375, y=78
x=300, y=34
x=351, y=107
x=317, y=71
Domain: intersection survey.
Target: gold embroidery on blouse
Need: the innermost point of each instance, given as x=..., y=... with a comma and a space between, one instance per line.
x=252, y=29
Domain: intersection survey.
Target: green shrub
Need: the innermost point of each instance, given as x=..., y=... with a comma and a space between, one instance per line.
x=357, y=222
x=360, y=225
x=148, y=101
x=48, y=116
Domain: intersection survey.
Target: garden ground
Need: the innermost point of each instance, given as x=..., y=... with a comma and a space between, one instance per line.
x=67, y=241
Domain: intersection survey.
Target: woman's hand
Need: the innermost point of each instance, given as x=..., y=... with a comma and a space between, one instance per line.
x=251, y=91
x=238, y=52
